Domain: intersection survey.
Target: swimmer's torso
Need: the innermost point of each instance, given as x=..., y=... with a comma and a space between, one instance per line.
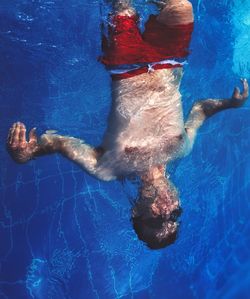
x=145, y=125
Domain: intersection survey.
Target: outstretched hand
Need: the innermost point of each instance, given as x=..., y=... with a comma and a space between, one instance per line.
x=18, y=147
x=238, y=98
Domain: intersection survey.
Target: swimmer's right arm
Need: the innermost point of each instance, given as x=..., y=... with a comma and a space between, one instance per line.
x=23, y=150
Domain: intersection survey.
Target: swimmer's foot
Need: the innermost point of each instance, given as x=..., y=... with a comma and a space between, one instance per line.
x=238, y=99
x=18, y=147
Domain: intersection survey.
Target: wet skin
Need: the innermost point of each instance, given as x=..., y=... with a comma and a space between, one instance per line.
x=125, y=148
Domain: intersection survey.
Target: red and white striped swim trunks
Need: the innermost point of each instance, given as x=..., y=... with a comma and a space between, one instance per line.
x=128, y=53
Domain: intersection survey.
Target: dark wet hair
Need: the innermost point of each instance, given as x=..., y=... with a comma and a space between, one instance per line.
x=157, y=232
x=161, y=230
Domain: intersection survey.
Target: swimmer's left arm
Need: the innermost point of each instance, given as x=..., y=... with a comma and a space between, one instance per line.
x=207, y=108
x=212, y=106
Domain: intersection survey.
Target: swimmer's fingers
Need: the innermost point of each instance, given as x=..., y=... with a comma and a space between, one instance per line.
x=22, y=136
x=10, y=135
x=13, y=138
x=236, y=93
x=239, y=98
x=18, y=147
x=245, y=92
x=33, y=137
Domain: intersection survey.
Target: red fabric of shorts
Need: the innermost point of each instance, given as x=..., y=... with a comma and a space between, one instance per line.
x=126, y=45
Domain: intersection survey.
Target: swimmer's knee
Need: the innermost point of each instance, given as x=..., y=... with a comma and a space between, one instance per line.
x=174, y=14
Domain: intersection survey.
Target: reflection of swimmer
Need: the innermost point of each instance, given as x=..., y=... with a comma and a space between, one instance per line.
x=145, y=127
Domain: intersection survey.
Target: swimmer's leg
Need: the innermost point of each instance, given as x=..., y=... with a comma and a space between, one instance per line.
x=207, y=108
x=74, y=149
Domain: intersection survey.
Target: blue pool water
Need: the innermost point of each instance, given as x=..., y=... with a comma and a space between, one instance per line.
x=64, y=234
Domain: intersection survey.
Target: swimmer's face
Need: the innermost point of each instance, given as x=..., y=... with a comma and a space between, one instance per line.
x=155, y=214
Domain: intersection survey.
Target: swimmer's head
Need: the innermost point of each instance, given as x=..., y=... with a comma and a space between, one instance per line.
x=155, y=214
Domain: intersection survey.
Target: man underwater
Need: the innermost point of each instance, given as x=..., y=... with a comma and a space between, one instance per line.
x=146, y=129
